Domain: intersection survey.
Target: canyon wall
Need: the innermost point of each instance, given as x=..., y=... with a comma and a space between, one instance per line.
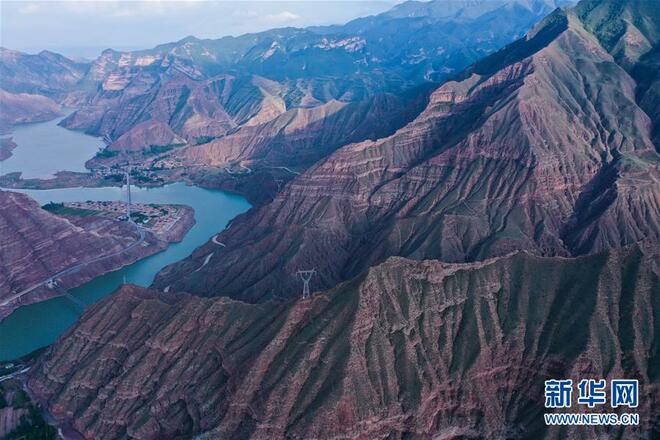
x=408, y=349
x=541, y=147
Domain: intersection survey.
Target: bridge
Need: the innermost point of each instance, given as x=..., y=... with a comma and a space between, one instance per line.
x=79, y=305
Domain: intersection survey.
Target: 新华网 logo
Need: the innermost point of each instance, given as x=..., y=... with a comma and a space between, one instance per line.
x=591, y=393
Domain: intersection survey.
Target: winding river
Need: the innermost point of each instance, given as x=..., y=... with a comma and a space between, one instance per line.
x=37, y=325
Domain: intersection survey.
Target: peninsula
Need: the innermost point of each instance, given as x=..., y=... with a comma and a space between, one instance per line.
x=46, y=253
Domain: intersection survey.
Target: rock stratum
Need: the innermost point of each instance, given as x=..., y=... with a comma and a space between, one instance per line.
x=408, y=349
x=21, y=108
x=545, y=146
x=37, y=245
x=505, y=235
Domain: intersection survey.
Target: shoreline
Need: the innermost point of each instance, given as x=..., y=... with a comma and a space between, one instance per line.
x=258, y=187
x=7, y=145
x=147, y=244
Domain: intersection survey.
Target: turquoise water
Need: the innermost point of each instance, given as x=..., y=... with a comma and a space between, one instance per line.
x=37, y=325
x=44, y=148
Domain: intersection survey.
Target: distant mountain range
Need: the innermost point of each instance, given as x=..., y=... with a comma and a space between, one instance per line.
x=275, y=92
x=46, y=73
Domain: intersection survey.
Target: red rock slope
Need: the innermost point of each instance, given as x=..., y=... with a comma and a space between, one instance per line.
x=540, y=147
x=36, y=245
x=407, y=350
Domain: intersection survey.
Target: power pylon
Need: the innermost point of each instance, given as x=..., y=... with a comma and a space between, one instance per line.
x=306, y=276
x=128, y=196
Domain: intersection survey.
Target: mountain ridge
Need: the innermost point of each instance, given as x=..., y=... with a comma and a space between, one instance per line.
x=422, y=349
x=560, y=120
x=304, y=68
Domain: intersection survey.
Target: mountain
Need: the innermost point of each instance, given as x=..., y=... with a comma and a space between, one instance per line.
x=45, y=73
x=32, y=87
x=6, y=146
x=630, y=31
x=543, y=146
x=408, y=349
x=468, y=9
x=505, y=235
x=19, y=108
x=298, y=137
x=256, y=89
x=37, y=245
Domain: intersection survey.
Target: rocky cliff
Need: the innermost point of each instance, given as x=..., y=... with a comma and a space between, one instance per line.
x=629, y=30
x=37, y=245
x=408, y=349
x=20, y=108
x=543, y=146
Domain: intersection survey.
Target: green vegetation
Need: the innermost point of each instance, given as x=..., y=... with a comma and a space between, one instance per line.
x=114, y=178
x=3, y=400
x=105, y=153
x=183, y=98
x=160, y=149
x=21, y=399
x=32, y=427
x=138, y=217
x=203, y=139
x=60, y=209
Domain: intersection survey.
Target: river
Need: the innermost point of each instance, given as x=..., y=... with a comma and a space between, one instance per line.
x=43, y=148
x=37, y=325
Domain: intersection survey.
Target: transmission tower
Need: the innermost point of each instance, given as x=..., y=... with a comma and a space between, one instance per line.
x=128, y=196
x=306, y=276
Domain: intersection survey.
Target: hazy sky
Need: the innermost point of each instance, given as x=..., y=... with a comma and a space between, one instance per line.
x=84, y=28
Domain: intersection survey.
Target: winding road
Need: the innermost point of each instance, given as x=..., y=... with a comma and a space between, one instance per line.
x=215, y=240
x=14, y=374
x=76, y=268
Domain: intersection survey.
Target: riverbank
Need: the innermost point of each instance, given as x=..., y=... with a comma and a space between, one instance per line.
x=39, y=324
x=6, y=147
x=47, y=148
x=34, y=169
x=123, y=243
x=179, y=229
x=258, y=187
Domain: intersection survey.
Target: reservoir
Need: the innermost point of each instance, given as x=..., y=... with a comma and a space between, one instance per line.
x=37, y=325
x=44, y=148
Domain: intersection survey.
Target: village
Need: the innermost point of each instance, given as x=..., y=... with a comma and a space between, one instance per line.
x=159, y=219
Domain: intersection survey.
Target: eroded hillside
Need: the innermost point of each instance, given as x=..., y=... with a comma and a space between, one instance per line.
x=541, y=147
x=408, y=349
